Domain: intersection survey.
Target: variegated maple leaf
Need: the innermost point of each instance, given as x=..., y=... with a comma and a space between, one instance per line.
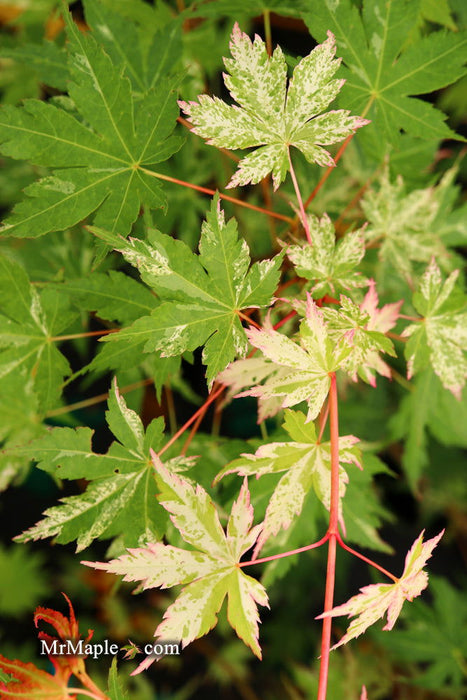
x=380, y=320
x=409, y=226
x=271, y=117
x=378, y=599
x=307, y=465
x=209, y=572
x=362, y=327
x=308, y=365
x=440, y=337
x=250, y=371
x=329, y=263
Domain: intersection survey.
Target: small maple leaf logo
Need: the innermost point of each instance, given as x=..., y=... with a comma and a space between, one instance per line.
x=131, y=650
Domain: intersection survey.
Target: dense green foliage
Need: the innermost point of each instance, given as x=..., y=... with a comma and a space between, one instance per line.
x=167, y=337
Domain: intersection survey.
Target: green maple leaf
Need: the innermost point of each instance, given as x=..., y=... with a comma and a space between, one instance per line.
x=329, y=263
x=29, y=323
x=120, y=498
x=271, y=117
x=440, y=338
x=23, y=582
x=381, y=75
x=209, y=571
x=307, y=463
x=113, y=296
x=377, y=599
x=102, y=157
x=129, y=39
x=202, y=294
x=115, y=687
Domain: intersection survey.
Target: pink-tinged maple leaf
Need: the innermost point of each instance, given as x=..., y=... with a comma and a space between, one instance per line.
x=381, y=320
x=305, y=368
x=376, y=600
x=30, y=683
x=67, y=629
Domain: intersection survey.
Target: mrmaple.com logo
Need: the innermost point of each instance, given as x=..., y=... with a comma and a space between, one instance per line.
x=72, y=647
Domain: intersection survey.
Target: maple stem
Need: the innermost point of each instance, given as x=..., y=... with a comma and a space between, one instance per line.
x=333, y=534
x=171, y=409
x=366, y=559
x=267, y=31
x=334, y=437
x=327, y=621
x=396, y=336
x=212, y=397
x=250, y=320
x=95, y=399
x=89, y=334
x=300, y=201
x=206, y=190
x=193, y=432
x=284, y=320
x=289, y=553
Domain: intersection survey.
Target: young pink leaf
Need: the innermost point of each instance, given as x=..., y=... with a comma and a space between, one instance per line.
x=379, y=599
x=209, y=573
x=308, y=365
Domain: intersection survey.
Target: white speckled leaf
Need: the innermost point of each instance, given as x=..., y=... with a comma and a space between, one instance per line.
x=407, y=225
x=159, y=565
x=354, y=323
x=194, y=612
x=269, y=116
x=329, y=263
x=378, y=599
x=443, y=330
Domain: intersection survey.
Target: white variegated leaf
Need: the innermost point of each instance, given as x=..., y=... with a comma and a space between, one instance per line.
x=307, y=366
x=159, y=565
x=441, y=335
x=329, y=263
x=270, y=117
x=124, y=423
x=407, y=226
x=354, y=323
x=210, y=572
x=307, y=465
